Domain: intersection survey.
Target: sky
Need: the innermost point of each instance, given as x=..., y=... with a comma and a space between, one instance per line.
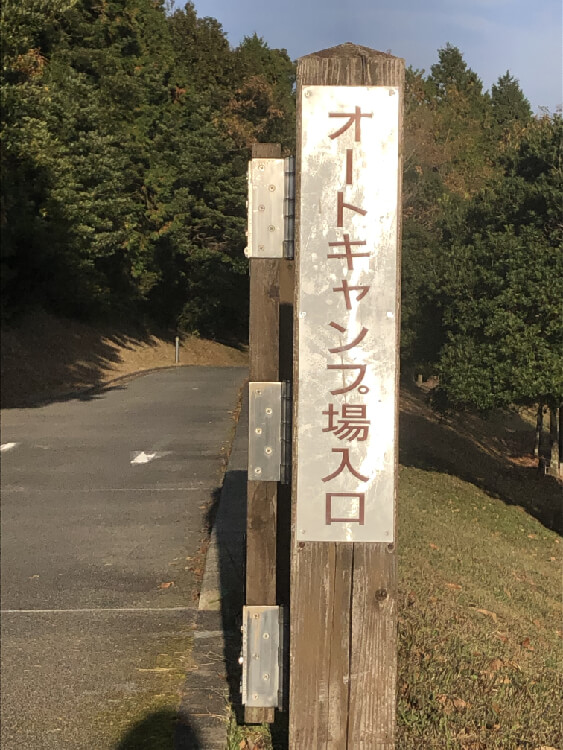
x=523, y=36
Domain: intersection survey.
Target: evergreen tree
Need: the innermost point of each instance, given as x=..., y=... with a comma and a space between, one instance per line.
x=508, y=102
x=503, y=283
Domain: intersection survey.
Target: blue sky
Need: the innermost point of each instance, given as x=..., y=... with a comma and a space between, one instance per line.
x=523, y=36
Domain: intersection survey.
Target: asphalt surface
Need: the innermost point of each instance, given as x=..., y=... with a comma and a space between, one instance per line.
x=104, y=501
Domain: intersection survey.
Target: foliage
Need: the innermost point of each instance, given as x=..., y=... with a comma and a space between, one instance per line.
x=123, y=178
x=503, y=282
x=125, y=138
x=482, y=261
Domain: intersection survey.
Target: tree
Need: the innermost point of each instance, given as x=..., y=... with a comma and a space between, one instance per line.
x=262, y=105
x=508, y=102
x=503, y=283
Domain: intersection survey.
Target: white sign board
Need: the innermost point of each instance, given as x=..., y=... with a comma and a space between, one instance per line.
x=347, y=323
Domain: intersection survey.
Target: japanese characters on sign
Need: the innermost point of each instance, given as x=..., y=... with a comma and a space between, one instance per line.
x=347, y=323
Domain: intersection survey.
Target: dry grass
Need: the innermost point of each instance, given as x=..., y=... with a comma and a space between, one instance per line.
x=480, y=560
x=44, y=357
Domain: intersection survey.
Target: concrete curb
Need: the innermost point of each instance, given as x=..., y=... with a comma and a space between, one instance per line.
x=212, y=686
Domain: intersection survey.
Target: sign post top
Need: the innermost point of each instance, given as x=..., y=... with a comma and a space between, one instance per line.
x=350, y=65
x=349, y=49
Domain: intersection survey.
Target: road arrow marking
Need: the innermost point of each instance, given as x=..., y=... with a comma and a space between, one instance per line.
x=7, y=447
x=143, y=457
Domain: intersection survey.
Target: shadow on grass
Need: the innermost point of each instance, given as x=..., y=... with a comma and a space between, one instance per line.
x=479, y=451
x=46, y=359
x=162, y=730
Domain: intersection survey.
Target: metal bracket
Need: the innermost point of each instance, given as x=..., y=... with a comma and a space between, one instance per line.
x=262, y=658
x=269, y=432
x=264, y=432
x=271, y=201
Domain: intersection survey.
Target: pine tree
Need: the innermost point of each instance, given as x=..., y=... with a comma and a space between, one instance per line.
x=508, y=102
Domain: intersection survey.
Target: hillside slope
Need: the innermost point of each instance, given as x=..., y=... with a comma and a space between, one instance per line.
x=480, y=586
x=45, y=357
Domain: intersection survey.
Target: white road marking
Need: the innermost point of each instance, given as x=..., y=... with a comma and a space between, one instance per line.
x=7, y=447
x=143, y=457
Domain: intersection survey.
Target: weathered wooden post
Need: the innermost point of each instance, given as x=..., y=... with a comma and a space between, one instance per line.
x=270, y=248
x=347, y=307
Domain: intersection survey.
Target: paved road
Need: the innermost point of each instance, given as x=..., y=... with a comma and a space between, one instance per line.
x=103, y=500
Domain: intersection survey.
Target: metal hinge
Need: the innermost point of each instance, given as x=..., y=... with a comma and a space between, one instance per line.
x=286, y=430
x=264, y=645
x=271, y=208
x=289, y=208
x=269, y=432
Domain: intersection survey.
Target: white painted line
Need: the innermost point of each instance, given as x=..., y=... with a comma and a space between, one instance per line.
x=7, y=447
x=93, y=610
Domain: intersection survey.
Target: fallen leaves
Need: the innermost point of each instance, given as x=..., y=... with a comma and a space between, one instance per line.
x=450, y=703
x=433, y=546
x=495, y=665
x=454, y=586
x=488, y=613
x=166, y=585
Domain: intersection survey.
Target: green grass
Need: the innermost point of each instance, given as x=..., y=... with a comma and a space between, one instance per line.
x=479, y=620
x=480, y=652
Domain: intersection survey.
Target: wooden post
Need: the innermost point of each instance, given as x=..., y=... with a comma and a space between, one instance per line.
x=343, y=594
x=262, y=496
x=553, y=442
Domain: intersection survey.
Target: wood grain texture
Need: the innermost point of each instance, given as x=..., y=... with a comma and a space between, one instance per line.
x=261, y=527
x=343, y=596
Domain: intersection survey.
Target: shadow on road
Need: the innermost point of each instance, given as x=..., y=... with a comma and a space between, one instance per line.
x=163, y=730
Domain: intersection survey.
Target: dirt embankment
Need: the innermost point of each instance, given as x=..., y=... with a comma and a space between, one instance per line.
x=45, y=357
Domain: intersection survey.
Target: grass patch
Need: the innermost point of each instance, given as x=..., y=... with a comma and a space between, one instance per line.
x=480, y=652
x=479, y=620
x=145, y=715
x=248, y=738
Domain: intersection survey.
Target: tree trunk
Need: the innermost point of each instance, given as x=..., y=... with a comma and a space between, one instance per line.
x=539, y=428
x=554, y=442
x=561, y=441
